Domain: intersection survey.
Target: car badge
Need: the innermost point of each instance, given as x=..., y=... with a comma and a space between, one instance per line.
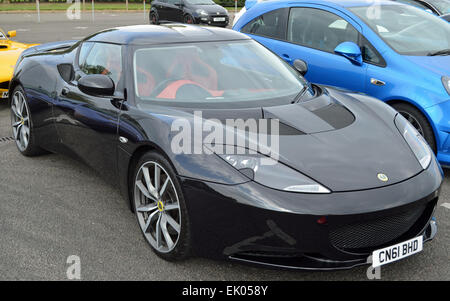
x=382, y=177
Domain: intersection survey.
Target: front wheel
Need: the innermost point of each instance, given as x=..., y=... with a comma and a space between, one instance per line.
x=160, y=207
x=22, y=125
x=419, y=121
x=188, y=19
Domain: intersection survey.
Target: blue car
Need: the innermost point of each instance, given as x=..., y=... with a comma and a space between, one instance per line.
x=397, y=53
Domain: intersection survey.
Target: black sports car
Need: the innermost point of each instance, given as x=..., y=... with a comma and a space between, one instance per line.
x=189, y=12
x=151, y=108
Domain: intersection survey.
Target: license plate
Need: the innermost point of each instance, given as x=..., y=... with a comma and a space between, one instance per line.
x=5, y=95
x=397, y=252
x=219, y=19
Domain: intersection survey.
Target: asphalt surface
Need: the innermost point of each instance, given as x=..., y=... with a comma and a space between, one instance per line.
x=52, y=207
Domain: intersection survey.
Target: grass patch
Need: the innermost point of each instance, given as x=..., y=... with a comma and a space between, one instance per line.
x=65, y=6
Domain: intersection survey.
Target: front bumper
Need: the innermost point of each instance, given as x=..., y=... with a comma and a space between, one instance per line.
x=255, y=224
x=216, y=20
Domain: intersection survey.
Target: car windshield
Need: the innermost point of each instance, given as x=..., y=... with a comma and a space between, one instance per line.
x=214, y=73
x=200, y=2
x=442, y=5
x=408, y=30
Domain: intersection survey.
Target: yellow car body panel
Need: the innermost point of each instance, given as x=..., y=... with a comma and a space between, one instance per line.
x=9, y=53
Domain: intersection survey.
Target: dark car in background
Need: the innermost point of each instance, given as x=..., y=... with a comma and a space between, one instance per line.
x=189, y=11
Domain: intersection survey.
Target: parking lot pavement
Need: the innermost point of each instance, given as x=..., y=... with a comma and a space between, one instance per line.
x=56, y=26
x=52, y=207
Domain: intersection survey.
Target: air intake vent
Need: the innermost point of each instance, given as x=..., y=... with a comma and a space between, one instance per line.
x=4, y=85
x=376, y=232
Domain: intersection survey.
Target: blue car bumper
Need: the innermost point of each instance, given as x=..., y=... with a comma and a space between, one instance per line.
x=440, y=115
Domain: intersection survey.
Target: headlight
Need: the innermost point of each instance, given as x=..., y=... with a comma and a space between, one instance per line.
x=415, y=141
x=201, y=12
x=273, y=174
x=446, y=82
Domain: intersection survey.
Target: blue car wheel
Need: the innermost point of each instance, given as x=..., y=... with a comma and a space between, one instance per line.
x=416, y=118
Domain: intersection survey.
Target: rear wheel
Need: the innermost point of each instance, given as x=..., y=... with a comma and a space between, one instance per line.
x=419, y=121
x=22, y=125
x=154, y=18
x=160, y=208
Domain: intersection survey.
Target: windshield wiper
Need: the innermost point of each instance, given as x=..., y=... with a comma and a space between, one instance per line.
x=440, y=52
x=299, y=96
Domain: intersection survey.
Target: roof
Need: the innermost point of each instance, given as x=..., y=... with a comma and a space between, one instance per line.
x=162, y=34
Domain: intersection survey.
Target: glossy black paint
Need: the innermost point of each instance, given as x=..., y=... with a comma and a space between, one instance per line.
x=232, y=216
x=178, y=10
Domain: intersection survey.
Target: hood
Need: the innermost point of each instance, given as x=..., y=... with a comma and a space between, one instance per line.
x=212, y=9
x=336, y=139
x=341, y=152
x=439, y=64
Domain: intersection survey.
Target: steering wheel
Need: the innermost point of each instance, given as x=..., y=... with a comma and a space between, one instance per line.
x=161, y=86
x=166, y=83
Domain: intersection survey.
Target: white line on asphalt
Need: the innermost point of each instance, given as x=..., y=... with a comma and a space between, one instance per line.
x=81, y=27
x=446, y=205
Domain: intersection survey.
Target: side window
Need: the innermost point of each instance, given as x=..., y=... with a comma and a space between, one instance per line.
x=271, y=24
x=101, y=58
x=319, y=29
x=370, y=54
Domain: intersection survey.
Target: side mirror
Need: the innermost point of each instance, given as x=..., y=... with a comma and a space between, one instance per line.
x=350, y=51
x=11, y=34
x=96, y=85
x=301, y=66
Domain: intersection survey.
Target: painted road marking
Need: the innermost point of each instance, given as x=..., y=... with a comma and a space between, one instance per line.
x=446, y=205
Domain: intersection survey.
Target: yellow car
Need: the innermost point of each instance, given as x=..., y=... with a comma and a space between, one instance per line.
x=9, y=53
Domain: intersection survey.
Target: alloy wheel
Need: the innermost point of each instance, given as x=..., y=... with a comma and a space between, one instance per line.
x=20, y=120
x=157, y=207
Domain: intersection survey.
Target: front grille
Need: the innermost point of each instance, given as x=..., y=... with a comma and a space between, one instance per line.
x=4, y=85
x=375, y=232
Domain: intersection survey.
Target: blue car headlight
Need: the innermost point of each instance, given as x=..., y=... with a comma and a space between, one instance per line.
x=415, y=141
x=446, y=83
x=273, y=174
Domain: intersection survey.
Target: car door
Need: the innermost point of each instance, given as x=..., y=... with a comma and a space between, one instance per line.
x=312, y=34
x=174, y=10
x=162, y=8
x=88, y=125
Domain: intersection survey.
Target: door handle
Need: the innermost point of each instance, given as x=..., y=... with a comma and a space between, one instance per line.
x=65, y=91
x=287, y=58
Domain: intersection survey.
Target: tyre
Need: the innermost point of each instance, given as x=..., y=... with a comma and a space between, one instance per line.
x=22, y=125
x=154, y=18
x=160, y=207
x=418, y=120
x=188, y=19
